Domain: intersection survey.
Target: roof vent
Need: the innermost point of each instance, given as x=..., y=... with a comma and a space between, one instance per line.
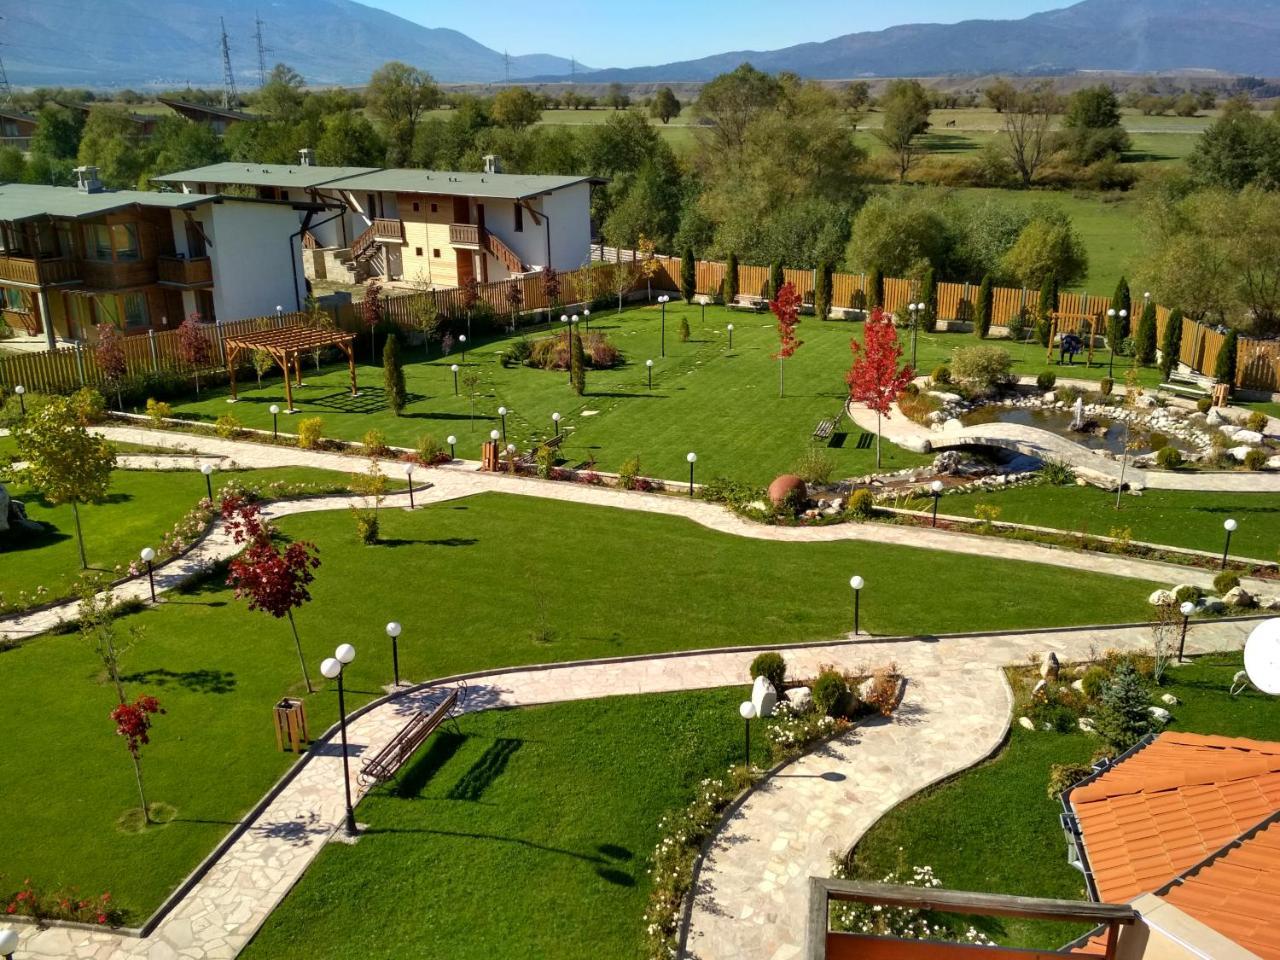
x=87, y=180
x=492, y=163
x=304, y=156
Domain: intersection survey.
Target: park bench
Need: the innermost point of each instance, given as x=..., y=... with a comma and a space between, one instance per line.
x=383, y=765
x=745, y=301
x=1181, y=385
x=529, y=457
x=826, y=429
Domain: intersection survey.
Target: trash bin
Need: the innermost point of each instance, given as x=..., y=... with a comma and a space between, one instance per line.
x=291, y=725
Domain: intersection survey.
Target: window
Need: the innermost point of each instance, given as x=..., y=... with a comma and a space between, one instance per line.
x=284, y=194
x=435, y=208
x=519, y=219
x=124, y=238
x=436, y=253
x=13, y=300
x=417, y=251
x=135, y=310
x=416, y=206
x=104, y=310
x=97, y=241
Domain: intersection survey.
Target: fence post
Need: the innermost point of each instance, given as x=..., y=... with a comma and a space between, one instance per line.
x=80, y=363
x=151, y=342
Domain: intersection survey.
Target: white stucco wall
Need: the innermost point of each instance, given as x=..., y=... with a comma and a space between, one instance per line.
x=255, y=261
x=570, y=211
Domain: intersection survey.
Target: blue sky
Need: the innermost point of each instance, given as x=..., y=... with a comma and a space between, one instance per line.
x=613, y=34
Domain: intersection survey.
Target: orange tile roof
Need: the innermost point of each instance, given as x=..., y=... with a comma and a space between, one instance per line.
x=1237, y=893
x=1171, y=804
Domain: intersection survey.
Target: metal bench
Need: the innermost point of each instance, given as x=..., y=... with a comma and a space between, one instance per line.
x=826, y=429
x=745, y=301
x=383, y=765
x=528, y=458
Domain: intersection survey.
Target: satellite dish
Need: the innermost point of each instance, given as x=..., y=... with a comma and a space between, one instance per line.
x=1262, y=657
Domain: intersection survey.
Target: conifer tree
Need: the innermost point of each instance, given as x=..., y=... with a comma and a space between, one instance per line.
x=393, y=375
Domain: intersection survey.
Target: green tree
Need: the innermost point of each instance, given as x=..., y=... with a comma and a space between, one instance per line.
x=665, y=106
x=1239, y=148
x=516, y=107
x=731, y=278
x=1171, y=344
x=903, y=233
x=875, y=286
x=1046, y=307
x=822, y=292
x=393, y=376
x=1224, y=368
x=1118, y=325
x=1048, y=246
x=57, y=133
x=64, y=462
x=1146, y=337
x=348, y=139
x=1092, y=125
x=731, y=101
x=983, y=308
x=688, y=275
x=281, y=96
x=928, y=295
x=616, y=98
x=1000, y=94
x=776, y=279
x=906, y=107
x=578, y=366
x=1124, y=716
x=13, y=165
x=179, y=144
x=397, y=96
x=112, y=142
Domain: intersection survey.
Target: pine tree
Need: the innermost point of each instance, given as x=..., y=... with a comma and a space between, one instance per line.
x=1124, y=717
x=1171, y=344
x=1146, y=339
x=1118, y=326
x=1224, y=370
x=393, y=375
x=982, y=313
x=688, y=275
x=822, y=291
x=1048, y=304
x=776, y=279
x=578, y=366
x=928, y=295
x=875, y=288
x=731, y=279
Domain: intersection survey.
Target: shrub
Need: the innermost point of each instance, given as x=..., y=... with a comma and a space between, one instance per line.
x=367, y=527
x=1255, y=459
x=1018, y=326
x=1225, y=582
x=309, y=433
x=227, y=427
x=393, y=376
x=984, y=367
x=545, y=457
x=1046, y=380
x=629, y=473
x=830, y=692
x=158, y=410
x=1050, y=708
x=1057, y=473
x=1094, y=682
x=1170, y=458
x=862, y=505
x=430, y=450
x=1069, y=395
x=1105, y=386
x=982, y=312
x=374, y=443
x=578, y=366
x=1123, y=717
x=735, y=493
x=1224, y=368
x=1257, y=422
x=549, y=353
x=1204, y=404
x=772, y=667
x=988, y=513
x=941, y=374
x=89, y=406
x=1187, y=592
x=882, y=692
x=684, y=330
x=1064, y=776
x=815, y=466
x=602, y=353
x=517, y=352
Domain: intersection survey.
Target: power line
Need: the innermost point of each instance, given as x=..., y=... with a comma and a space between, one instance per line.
x=262, y=50
x=229, y=97
x=506, y=64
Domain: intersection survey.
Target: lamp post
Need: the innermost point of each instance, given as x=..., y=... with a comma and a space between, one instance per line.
x=502, y=413
x=207, y=470
x=1111, y=341
x=8, y=943
x=747, y=710
x=692, y=458
x=568, y=345
x=914, y=309
x=408, y=472
x=1230, y=527
x=148, y=557
x=648, y=366
x=702, y=301
x=936, y=488
x=731, y=336
x=393, y=631
x=462, y=339
x=332, y=668
x=857, y=583
x=1187, y=609
x=662, y=300
x=586, y=321
x=20, y=390
x=494, y=435
x=279, y=313
x=454, y=369
x=453, y=443
x=275, y=421
x=555, y=419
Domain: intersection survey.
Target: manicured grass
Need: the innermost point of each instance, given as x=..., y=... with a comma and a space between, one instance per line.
x=994, y=828
x=485, y=582
x=531, y=828
x=141, y=506
x=722, y=404
x=1175, y=517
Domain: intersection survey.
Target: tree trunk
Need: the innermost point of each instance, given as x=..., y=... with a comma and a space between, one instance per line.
x=142, y=794
x=1124, y=463
x=75, y=512
x=301, y=659
x=782, y=377
x=877, y=439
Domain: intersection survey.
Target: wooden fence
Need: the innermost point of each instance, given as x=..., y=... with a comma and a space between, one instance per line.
x=1258, y=363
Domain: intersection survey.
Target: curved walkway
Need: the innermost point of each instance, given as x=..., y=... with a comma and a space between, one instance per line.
x=232, y=900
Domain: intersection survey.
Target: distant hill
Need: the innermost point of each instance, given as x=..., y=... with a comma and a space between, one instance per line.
x=1232, y=36
x=169, y=43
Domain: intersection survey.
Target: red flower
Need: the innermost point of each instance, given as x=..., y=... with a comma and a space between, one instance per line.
x=133, y=721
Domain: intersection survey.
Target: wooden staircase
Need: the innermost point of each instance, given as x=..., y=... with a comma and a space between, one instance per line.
x=500, y=251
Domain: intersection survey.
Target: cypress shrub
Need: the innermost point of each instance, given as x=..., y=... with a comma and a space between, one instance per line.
x=578, y=366
x=1123, y=717
x=1146, y=340
x=875, y=288
x=1044, y=314
x=1171, y=344
x=731, y=279
x=929, y=297
x=822, y=291
x=393, y=376
x=1224, y=370
x=688, y=275
x=982, y=313
x=776, y=279
x=1117, y=327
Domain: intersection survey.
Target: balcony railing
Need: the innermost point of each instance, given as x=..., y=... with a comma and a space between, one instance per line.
x=392, y=230
x=464, y=234
x=193, y=272
x=38, y=272
x=106, y=275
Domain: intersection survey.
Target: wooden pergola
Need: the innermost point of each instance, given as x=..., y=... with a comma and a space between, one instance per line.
x=1064, y=324
x=285, y=344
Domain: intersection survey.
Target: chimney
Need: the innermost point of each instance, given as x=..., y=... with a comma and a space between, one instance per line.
x=304, y=156
x=87, y=180
x=492, y=163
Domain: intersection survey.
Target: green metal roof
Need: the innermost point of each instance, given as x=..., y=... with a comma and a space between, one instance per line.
x=25, y=201
x=501, y=186
x=264, y=174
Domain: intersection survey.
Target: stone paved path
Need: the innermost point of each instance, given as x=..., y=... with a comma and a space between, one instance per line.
x=954, y=713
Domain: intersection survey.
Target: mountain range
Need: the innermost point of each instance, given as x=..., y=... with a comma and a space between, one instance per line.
x=168, y=43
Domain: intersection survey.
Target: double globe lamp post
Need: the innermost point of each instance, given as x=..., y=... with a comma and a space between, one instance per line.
x=663, y=300
x=332, y=669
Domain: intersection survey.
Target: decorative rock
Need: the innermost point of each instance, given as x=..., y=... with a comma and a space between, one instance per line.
x=1077, y=686
x=1050, y=668
x=788, y=488
x=763, y=697
x=1169, y=700
x=1273, y=463
x=1213, y=605
x=1272, y=604
x=1025, y=723
x=1160, y=714
x=1161, y=598
x=1213, y=418
x=1039, y=688
x=13, y=516
x=1239, y=453
x=1085, y=725
x=952, y=425
x=1229, y=430
x=1247, y=436
x=1239, y=597
x=1050, y=397
x=801, y=698
x=918, y=444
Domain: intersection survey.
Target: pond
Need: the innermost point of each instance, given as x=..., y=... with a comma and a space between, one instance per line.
x=1109, y=434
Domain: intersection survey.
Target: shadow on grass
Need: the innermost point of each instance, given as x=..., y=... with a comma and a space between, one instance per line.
x=197, y=681
x=486, y=770
x=415, y=778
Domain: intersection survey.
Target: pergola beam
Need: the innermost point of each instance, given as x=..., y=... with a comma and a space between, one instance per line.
x=285, y=345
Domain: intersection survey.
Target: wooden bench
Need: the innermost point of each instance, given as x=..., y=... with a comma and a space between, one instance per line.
x=383, y=765
x=528, y=458
x=745, y=301
x=826, y=429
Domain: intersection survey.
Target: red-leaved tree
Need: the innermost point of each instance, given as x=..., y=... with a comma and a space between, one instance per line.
x=786, y=307
x=551, y=289
x=371, y=314
x=274, y=580
x=875, y=377
x=515, y=298
x=109, y=353
x=133, y=722
x=194, y=348
x=470, y=297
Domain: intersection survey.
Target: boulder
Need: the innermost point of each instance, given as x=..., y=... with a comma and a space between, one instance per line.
x=1272, y=604
x=801, y=699
x=1247, y=436
x=1050, y=397
x=1239, y=453
x=1077, y=686
x=1213, y=605
x=1039, y=688
x=1050, y=667
x=1273, y=463
x=1085, y=725
x=1025, y=723
x=917, y=444
x=788, y=489
x=13, y=516
x=763, y=697
x=1161, y=598
x=1169, y=700
x=1239, y=597
x=952, y=425
x=1213, y=418
x=1160, y=715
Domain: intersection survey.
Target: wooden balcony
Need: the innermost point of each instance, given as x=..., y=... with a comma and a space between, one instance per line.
x=183, y=272
x=38, y=272
x=464, y=235
x=389, y=230
x=106, y=275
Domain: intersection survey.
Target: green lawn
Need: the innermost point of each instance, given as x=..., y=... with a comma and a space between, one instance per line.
x=140, y=507
x=994, y=829
x=1176, y=517
x=532, y=827
x=722, y=404
x=486, y=582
